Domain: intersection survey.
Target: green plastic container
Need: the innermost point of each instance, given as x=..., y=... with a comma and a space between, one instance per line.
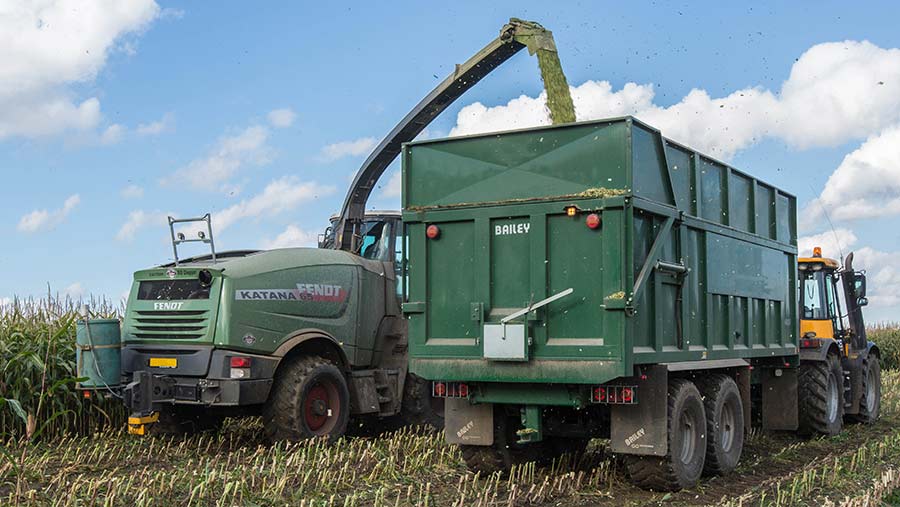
x=98, y=353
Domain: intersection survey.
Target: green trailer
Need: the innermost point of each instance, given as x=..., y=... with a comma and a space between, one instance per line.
x=599, y=280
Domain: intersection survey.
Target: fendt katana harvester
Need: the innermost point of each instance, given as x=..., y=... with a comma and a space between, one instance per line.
x=313, y=339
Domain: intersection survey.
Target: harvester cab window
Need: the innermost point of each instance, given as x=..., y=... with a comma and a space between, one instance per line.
x=376, y=243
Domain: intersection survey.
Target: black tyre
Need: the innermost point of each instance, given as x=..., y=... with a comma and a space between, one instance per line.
x=821, y=393
x=870, y=403
x=184, y=421
x=683, y=465
x=419, y=407
x=308, y=399
x=506, y=452
x=724, y=424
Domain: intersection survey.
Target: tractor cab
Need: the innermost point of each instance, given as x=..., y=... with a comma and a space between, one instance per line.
x=826, y=292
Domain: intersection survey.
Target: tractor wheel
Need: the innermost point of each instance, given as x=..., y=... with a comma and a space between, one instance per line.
x=309, y=399
x=870, y=403
x=419, y=407
x=821, y=396
x=505, y=452
x=724, y=424
x=682, y=466
x=184, y=421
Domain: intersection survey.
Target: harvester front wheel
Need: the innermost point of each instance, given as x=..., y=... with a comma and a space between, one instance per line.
x=724, y=424
x=309, y=399
x=870, y=403
x=821, y=396
x=682, y=465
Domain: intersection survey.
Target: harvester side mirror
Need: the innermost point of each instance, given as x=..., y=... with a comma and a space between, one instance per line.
x=863, y=301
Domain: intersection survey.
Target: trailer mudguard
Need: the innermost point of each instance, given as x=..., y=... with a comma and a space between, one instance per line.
x=468, y=424
x=780, y=408
x=642, y=428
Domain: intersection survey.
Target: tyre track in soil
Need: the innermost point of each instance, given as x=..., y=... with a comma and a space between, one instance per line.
x=765, y=467
x=763, y=464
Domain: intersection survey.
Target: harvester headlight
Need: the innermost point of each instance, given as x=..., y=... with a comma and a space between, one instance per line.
x=180, y=236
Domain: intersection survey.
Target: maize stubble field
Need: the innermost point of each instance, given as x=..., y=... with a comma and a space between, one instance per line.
x=59, y=449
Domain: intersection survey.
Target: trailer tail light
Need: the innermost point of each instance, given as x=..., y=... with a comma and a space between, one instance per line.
x=810, y=343
x=449, y=390
x=433, y=231
x=592, y=221
x=614, y=395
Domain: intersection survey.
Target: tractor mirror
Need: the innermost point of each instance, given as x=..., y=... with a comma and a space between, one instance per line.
x=859, y=285
x=862, y=301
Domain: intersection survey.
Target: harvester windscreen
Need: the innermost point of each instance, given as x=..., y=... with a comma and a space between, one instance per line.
x=169, y=290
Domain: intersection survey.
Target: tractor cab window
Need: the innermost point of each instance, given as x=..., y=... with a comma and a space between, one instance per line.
x=376, y=242
x=813, y=296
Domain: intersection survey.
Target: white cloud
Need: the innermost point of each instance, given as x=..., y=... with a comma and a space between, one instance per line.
x=45, y=219
x=832, y=243
x=225, y=160
x=865, y=185
x=882, y=278
x=393, y=187
x=293, y=236
x=132, y=192
x=354, y=148
x=47, y=46
x=157, y=127
x=74, y=291
x=836, y=92
x=135, y=221
x=281, y=195
x=281, y=118
x=112, y=135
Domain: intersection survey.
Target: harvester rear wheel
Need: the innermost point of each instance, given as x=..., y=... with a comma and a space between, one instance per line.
x=184, y=421
x=309, y=398
x=724, y=424
x=682, y=465
x=821, y=396
x=870, y=403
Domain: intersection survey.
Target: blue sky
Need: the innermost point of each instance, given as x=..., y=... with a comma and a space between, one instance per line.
x=115, y=114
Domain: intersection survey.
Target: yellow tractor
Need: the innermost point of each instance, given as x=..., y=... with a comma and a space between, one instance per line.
x=840, y=372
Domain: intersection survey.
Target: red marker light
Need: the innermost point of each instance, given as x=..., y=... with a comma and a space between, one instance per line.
x=240, y=362
x=627, y=395
x=463, y=390
x=592, y=221
x=432, y=231
x=439, y=389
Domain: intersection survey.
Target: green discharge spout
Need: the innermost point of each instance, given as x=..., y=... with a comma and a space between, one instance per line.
x=539, y=41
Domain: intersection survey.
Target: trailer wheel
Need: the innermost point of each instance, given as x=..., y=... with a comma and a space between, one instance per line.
x=870, y=403
x=821, y=394
x=309, y=399
x=724, y=424
x=419, y=407
x=682, y=466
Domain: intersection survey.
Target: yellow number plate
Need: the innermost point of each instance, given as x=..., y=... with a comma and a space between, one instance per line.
x=163, y=362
